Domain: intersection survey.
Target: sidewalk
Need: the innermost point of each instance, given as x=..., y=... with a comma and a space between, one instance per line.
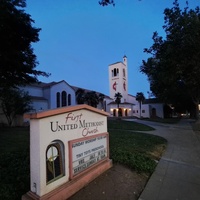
x=177, y=175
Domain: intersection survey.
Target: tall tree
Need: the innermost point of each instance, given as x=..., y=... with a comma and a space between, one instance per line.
x=14, y=102
x=174, y=66
x=107, y=2
x=80, y=96
x=118, y=97
x=92, y=98
x=101, y=99
x=140, y=98
x=17, y=60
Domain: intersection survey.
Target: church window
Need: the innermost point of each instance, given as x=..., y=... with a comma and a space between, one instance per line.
x=69, y=99
x=64, y=98
x=116, y=72
x=58, y=99
x=124, y=73
x=54, y=161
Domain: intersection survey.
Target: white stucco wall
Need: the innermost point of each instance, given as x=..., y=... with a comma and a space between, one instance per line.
x=62, y=86
x=159, y=109
x=145, y=111
x=39, y=105
x=33, y=90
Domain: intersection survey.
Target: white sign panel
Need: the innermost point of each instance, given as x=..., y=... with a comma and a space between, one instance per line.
x=88, y=152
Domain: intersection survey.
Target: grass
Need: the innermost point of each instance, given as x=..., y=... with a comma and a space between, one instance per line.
x=165, y=120
x=136, y=150
x=14, y=162
x=139, y=151
x=14, y=139
x=128, y=125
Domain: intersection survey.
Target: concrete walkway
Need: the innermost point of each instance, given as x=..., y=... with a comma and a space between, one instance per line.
x=177, y=175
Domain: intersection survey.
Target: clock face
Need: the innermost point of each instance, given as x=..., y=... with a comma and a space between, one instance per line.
x=52, y=153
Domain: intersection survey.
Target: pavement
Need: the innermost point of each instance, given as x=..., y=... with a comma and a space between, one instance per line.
x=177, y=175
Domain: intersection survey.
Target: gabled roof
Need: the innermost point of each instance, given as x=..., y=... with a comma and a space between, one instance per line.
x=46, y=85
x=87, y=90
x=116, y=63
x=131, y=95
x=75, y=88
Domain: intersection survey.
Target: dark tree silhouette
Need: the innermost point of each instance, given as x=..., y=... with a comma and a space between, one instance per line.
x=17, y=60
x=118, y=97
x=140, y=98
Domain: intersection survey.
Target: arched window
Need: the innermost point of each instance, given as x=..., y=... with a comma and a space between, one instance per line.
x=116, y=71
x=124, y=73
x=126, y=112
x=120, y=112
x=112, y=73
x=114, y=112
x=58, y=99
x=54, y=161
x=64, y=98
x=69, y=100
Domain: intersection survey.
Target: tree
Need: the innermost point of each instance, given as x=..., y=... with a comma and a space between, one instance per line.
x=118, y=97
x=14, y=102
x=174, y=66
x=140, y=98
x=101, y=99
x=92, y=98
x=80, y=96
x=106, y=2
x=17, y=60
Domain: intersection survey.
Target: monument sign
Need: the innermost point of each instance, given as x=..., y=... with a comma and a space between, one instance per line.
x=69, y=147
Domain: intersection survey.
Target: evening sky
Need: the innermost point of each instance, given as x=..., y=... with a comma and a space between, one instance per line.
x=80, y=39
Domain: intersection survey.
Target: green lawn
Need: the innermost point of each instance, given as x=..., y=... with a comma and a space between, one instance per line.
x=136, y=150
x=127, y=125
x=14, y=139
x=165, y=120
x=14, y=162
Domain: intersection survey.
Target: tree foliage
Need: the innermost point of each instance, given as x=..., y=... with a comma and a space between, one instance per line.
x=140, y=98
x=92, y=99
x=101, y=100
x=80, y=96
x=17, y=59
x=118, y=97
x=174, y=66
x=14, y=102
x=106, y=2
x=89, y=97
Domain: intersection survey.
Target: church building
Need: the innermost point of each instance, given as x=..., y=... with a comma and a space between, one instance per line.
x=53, y=95
x=129, y=106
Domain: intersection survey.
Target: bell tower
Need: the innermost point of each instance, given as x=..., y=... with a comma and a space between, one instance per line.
x=118, y=79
